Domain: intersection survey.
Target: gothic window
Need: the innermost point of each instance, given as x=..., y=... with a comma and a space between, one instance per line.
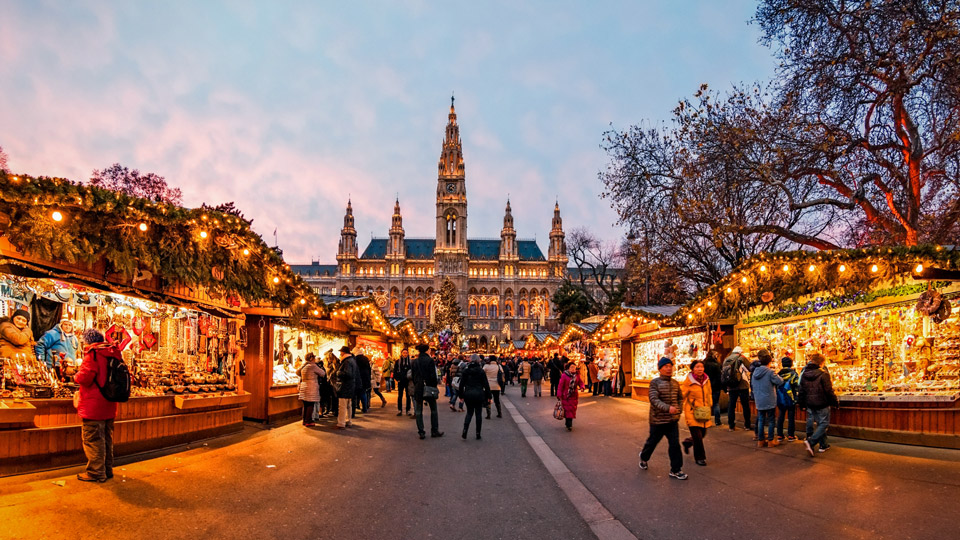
x=410, y=309
x=451, y=229
x=421, y=310
x=522, y=310
x=473, y=310
x=493, y=310
x=483, y=310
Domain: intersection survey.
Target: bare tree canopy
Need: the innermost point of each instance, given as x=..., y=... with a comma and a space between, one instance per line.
x=147, y=186
x=3, y=160
x=599, y=266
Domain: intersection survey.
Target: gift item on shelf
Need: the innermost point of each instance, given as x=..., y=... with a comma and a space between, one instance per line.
x=291, y=345
x=681, y=346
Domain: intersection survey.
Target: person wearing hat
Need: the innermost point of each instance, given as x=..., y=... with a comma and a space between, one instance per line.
x=347, y=379
x=738, y=387
x=96, y=413
x=59, y=339
x=425, y=374
x=666, y=400
x=16, y=339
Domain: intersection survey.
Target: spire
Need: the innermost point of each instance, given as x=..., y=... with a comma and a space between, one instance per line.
x=348, y=217
x=451, y=156
x=397, y=217
x=348, y=239
x=508, y=236
x=557, y=220
x=508, y=217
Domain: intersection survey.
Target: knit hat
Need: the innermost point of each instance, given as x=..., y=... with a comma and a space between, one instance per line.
x=92, y=335
x=664, y=361
x=21, y=313
x=738, y=349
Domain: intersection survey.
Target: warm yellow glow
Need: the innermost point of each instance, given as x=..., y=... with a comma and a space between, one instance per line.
x=919, y=269
x=56, y=216
x=699, y=310
x=811, y=268
x=709, y=303
x=690, y=315
x=843, y=268
x=143, y=227
x=729, y=290
x=276, y=280
x=874, y=268
x=763, y=268
x=246, y=252
x=316, y=312
x=302, y=301
x=203, y=234
x=743, y=280
x=786, y=268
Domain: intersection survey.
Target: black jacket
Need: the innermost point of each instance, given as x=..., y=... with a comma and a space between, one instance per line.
x=400, y=370
x=816, y=389
x=363, y=369
x=424, y=373
x=347, y=378
x=712, y=368
x=555, y=369
x=474, y=386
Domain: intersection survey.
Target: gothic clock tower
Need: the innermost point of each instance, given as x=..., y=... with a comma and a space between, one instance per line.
x=450, y=254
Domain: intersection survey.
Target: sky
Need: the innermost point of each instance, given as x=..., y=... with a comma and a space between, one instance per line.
x=289, y=108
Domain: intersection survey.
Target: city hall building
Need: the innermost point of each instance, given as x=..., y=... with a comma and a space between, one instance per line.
x=504, y=286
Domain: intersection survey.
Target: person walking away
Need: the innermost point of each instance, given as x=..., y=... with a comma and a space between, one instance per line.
x=475, y=390
x=765, y=382
x=555, y=368
x=386, y=373
x=697, y=407
x=495, y=379
x=400, y=376
x=568, y=393
x=592, y=383
x=309, y=390
x=333, y=366
x=96, y=413
x=738, y=387
x=787, y=399
x=326, y=393
x=536, y=377
x=58, y=340
x=666, y=398
x=364, y=371
x=816, y=396
x=376, y=380
x=523, y=375
x=425, y=374
x=347, y=386
x=712, y=368
x=453, y=371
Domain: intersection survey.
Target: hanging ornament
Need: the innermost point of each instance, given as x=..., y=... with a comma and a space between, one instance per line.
x=767, y=296
x=217, y=273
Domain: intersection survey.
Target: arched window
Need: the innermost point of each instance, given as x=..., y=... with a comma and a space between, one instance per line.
x=493, y=311
x=473, y=310
x=483, y=310
x=522, y=310
x=410, y=309
x=421, y=310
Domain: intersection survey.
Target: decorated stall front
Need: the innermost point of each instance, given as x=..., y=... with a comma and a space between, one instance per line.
x=163, y=283
x=885, y=319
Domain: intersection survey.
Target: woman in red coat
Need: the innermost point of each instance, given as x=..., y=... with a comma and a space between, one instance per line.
x=570, y=382
x=94, y=410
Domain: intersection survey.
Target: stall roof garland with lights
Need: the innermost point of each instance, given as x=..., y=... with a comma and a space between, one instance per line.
x=57, y=219
x=778, y=279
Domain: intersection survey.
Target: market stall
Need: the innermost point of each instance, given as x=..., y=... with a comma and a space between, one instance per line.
x=891, y=336
x=161, y=282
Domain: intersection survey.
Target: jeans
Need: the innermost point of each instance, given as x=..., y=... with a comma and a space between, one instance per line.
x=716, y=406
x=496, y=400
x=473, y=409
x=822, y=419
x=344, y=408
x=453, y=395
x=744, y=397
x=97, y=437
x=765, y=419
x=790, y=413
x=401, y=387
x=383, y=400
x=365, y=400
x=523, y=387
x=672, y=432
x=537, y=388
x=606, y=387
x=696, y=440
x=308, y=408
x=418, y=412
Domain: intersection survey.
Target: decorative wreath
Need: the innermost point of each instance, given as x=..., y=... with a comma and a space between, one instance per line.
x=929, y=302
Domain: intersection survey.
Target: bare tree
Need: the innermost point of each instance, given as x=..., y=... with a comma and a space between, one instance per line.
x=3, y=160
x=147, y=186
x=599, y=267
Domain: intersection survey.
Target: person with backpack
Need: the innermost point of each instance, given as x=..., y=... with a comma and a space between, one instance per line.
x=96, y=412
x=738, y=387
x=536, y=377
x=666, y=402
x=567, y=392
x=400, y=376
x=475, y=390
x=765, y=383
x=816, y=395
x=787, y=399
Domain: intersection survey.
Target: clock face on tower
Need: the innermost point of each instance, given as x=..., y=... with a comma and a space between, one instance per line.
x=451, y=188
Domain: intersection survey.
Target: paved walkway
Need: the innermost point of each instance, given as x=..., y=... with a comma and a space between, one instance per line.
x=528, y=478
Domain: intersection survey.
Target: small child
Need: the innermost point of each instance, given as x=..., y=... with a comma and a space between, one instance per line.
x=787, y=399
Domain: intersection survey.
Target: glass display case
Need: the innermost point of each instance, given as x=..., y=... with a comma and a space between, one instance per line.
x=682, y=346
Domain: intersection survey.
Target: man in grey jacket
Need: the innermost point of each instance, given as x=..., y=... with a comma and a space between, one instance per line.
x=346, y=386
x=666, y=400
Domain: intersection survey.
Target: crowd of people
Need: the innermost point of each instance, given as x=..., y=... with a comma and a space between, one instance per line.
x=777, y=393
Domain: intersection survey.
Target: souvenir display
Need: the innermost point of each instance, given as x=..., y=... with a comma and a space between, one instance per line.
x=291, y=346
x=894, y=350
x=681, y=346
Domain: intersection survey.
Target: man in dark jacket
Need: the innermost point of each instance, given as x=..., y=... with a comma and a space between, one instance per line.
x=363, y=394
x=556, y=368
x=425, y=374
x=346, y=386
x=738, y=388
x=666, y=402
x=712, y=368
x=400, y=376
x=816, y=395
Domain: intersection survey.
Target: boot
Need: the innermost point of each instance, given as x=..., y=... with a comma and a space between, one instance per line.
x=464, y=434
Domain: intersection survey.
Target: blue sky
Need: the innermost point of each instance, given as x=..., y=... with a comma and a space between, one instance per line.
x=288, y=107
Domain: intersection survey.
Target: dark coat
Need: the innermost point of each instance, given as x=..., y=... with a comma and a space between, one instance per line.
x=712, y=368
x=424, y=373
x=363, y=369
x=347, y=378
x=536, y=371
x=474, y=387
x=735, y=360
x=664, y=392
x=816, y=389
x=555, y=369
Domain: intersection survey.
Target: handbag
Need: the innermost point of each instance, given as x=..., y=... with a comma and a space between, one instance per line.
x=701, y=414
x=558, y=410
x=429, y=392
